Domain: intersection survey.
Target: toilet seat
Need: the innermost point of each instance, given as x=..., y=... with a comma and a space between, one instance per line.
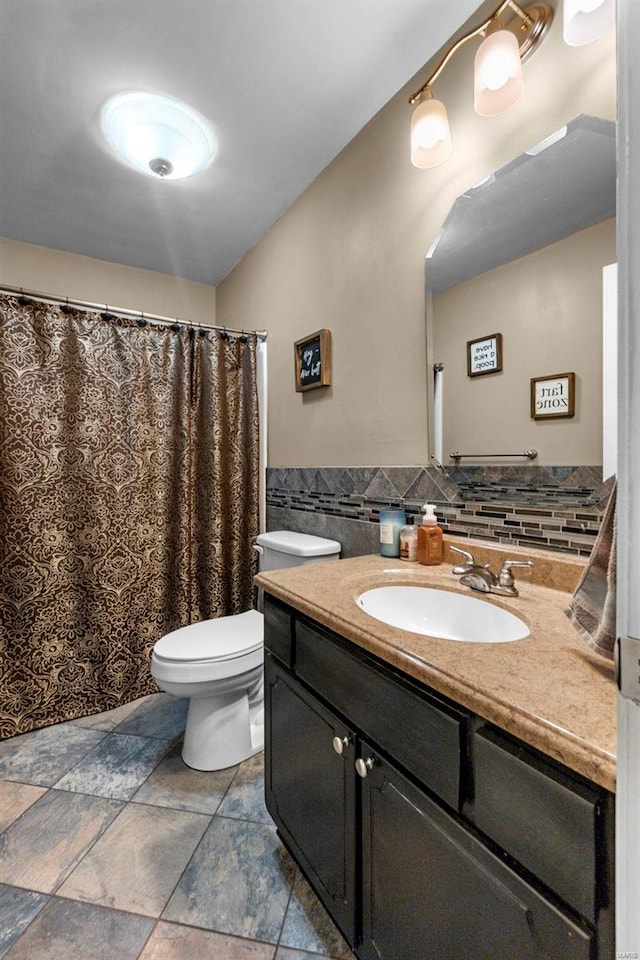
x=224, y=638
x=210, y=649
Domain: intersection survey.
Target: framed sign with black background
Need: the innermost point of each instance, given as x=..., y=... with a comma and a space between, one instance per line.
x=484, y=355
x=312, y=358
x=553, y=396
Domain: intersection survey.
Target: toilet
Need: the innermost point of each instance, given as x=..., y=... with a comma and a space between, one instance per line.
x=218, y=665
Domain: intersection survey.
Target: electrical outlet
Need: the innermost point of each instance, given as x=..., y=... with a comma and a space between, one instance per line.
x=628, y=667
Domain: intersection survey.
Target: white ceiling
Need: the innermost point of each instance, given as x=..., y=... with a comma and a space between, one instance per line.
x=286, y=85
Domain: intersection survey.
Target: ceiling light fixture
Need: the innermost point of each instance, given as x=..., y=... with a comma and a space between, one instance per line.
x=587, y=20
x=158, y=135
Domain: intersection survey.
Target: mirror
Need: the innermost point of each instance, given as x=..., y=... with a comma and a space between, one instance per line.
x=522, y=255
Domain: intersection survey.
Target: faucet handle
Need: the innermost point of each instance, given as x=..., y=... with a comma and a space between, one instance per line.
x=505, y=577
x=468, y=564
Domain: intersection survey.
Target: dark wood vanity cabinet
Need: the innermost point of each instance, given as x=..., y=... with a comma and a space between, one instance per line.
x=311, y=791
x=426, y=833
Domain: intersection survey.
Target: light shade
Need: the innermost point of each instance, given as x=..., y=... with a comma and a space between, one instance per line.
x=587, y=20
x=158, y=135
x=430, y=135
x=497, y=80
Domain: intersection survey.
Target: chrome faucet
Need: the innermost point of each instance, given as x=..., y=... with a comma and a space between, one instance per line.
x=482, y=579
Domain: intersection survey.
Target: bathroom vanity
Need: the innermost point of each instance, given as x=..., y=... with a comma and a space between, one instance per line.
x=437, y=813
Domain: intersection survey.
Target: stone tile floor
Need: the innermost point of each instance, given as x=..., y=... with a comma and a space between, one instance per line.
x=112, y=849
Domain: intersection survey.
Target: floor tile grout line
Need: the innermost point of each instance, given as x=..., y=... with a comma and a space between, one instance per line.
x=146, y=942
x=125, y=804
x=236, y=783
x=163, y=806
x=186, y=866
x=136, y=788
x=222, y=933
x=90, y=903
x=83, y=793
x=48, y=897
x=144, y=736
x=21, y=815
x=92, y=845
x=26, y=809
x=200, y=842
x=50, y=785
x=286, y=909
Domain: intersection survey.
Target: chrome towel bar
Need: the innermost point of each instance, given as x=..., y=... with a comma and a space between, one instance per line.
x=529, y=454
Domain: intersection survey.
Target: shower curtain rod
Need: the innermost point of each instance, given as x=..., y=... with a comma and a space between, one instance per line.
x=124, y=311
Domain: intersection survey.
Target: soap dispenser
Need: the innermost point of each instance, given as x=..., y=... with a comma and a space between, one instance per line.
x=430, y=538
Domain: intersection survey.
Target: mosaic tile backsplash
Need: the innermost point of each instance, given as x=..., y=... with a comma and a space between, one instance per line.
x=552, y=508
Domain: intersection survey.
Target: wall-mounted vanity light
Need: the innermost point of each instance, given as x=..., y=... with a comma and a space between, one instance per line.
x=587, y=20
x=510, y=35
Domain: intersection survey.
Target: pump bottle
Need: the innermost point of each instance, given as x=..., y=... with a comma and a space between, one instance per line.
x=430, y=538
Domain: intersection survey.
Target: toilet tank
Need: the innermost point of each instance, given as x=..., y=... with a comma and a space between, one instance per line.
x=284, y=548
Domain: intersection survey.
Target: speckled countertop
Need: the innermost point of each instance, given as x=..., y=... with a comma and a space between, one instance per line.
x=548, y=689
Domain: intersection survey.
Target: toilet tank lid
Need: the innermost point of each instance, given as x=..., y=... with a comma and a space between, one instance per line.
x=298, y=544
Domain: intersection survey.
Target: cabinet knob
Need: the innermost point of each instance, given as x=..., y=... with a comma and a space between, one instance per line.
x=363, y=766
x=340, y=744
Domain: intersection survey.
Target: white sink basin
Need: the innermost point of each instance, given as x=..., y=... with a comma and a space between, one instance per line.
x=439, y=613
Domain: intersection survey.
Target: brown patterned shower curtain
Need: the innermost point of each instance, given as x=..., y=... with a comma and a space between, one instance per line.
x=128, y=501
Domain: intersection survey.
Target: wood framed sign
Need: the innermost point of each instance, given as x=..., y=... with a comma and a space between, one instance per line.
x=484, y=355
x=312, y=358
x=553, y=396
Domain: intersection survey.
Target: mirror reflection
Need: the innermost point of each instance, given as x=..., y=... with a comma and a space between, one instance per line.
x=521, y=255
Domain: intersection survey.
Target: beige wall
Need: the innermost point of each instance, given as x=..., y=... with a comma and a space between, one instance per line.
x=97, y=281
x=349, y=255
x=548, y=307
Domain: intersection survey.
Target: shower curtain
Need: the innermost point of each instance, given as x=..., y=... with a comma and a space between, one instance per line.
x=128, y=500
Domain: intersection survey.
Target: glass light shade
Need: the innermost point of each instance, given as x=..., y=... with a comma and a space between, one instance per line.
x=430, y=135
x=158, y=135
x=587, y=20
x=497, y=78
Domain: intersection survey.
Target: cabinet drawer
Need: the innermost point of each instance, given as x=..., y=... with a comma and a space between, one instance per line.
x=278, y=630
x=422, y=733
x=546, y=820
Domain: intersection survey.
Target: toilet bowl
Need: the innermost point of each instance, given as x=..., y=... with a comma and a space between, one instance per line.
x=218, y=665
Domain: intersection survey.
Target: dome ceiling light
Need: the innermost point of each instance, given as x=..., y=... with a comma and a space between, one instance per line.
x=157, y=135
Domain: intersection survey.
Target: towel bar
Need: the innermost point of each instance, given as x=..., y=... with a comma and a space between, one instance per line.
x=530, y=454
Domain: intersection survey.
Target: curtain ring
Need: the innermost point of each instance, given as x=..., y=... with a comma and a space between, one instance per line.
x=141, y=321
x=224, y=335
x=65, y=308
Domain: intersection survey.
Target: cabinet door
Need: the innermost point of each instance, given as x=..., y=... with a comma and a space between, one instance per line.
x=431, y=891
x=310, y=790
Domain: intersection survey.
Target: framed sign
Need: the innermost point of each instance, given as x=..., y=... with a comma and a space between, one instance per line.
x=312, y=358
x=484, y=355
x=553, y=396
